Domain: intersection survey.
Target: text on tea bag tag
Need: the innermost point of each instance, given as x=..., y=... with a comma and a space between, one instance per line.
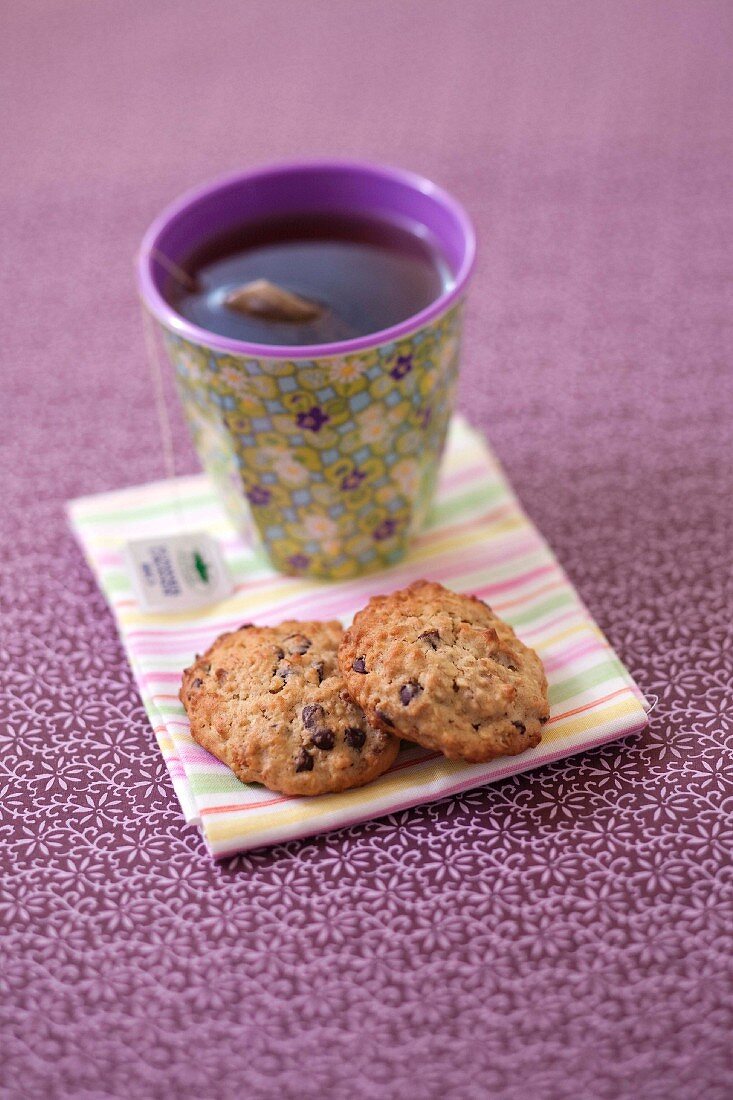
x=177, y=572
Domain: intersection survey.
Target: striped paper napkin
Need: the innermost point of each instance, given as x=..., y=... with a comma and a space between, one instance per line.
x=477, y=540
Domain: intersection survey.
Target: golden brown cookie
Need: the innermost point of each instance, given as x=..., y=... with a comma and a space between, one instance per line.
x=442, y=669
x=270, y=703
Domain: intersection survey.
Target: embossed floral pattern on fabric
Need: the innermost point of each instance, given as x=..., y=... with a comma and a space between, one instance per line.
x=332, y=462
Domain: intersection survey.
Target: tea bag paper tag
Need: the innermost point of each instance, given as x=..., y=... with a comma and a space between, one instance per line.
x=177, y=572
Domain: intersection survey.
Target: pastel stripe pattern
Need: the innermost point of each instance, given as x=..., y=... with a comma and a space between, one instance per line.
x=477, y=540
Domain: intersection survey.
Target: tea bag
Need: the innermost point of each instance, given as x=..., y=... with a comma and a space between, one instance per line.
x=269, y=302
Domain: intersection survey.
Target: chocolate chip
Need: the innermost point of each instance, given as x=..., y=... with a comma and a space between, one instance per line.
x=279, y=653
x=520, y=726
x=245, y=626
x=359, y=665
x=197, y=683
x=476, y=725
x=455, y=686
x=384, y=718
x=319, y=671
x=354, y=737
x=221, y=674
x=312, y=715
x=303, y=761
x=300, y=645
x=545, y=718
x=408, y=692
x=323, y=739
x=430, y=637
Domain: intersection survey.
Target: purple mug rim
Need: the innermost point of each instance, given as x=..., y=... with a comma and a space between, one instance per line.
x=173, y=321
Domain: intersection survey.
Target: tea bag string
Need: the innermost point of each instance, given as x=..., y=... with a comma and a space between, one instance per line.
x=164, y=424
x=173, y=269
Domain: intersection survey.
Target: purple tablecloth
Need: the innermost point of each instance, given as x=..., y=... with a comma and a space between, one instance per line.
x=566, y=933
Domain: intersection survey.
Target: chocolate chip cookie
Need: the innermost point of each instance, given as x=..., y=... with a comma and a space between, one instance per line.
x=270, y=703
x=443, y=670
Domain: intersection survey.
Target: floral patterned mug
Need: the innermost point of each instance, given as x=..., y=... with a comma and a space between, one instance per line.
x=326, y=455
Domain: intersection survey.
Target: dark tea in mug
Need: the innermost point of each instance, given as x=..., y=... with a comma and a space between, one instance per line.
x=359, y=274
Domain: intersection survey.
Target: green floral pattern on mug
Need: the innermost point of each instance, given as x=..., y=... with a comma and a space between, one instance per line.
x=330, y=462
